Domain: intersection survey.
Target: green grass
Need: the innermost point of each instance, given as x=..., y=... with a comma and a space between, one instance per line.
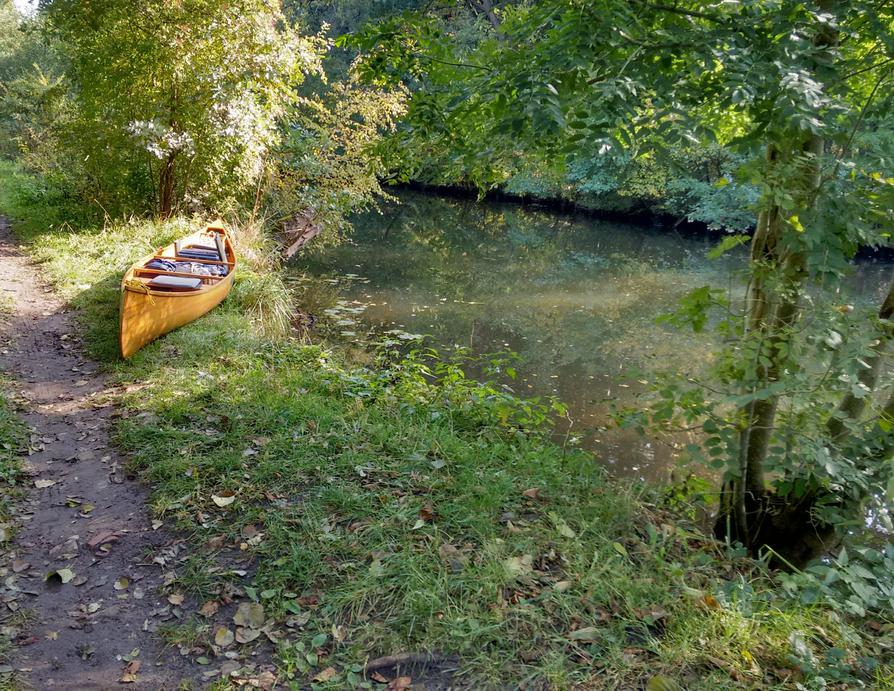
x=12, y=443
x=13, y=440
x=386, y=510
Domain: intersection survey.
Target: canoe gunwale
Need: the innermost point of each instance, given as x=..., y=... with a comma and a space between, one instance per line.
x=141, y=322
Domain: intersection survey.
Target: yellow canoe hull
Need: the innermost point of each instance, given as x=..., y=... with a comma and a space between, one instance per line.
x=146, y=314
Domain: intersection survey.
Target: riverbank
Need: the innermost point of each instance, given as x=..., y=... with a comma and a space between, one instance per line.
x=344, y=513
x=636, y=212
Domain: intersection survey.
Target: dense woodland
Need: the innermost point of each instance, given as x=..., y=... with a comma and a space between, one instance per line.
x=771, y=122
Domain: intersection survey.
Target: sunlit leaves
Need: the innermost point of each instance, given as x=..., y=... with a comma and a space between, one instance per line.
x=195, y=91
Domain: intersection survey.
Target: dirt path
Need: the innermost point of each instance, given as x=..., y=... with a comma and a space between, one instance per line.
x=81, y=516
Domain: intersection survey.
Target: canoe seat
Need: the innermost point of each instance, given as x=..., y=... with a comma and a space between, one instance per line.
x=176, y=283
x=192, y=253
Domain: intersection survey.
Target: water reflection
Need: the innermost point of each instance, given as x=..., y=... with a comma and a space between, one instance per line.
x=575, y=297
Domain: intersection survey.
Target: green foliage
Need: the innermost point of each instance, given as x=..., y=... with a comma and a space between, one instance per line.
x=772, y=101
x=177, y=103
x=401, y=505
x=328, y=163
x=31, y=92
x=854, y=582
x=13, y=439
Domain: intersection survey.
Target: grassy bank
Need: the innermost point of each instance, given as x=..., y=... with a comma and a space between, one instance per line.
x=13, y=436
x=378, y=509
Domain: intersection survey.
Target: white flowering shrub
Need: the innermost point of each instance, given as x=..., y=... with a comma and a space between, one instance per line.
x=179, y=100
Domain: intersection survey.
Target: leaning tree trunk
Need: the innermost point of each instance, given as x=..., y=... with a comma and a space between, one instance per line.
x=778, y=271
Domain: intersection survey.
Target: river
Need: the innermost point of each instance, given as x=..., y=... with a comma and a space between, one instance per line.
x=575, y=297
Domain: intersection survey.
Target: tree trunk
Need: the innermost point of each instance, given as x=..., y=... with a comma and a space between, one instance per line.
x=748, y=512
x=777, y=275
x=486, y=8
x=166, y=181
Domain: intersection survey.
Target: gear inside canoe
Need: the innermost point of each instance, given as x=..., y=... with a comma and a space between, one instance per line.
x=175, y=285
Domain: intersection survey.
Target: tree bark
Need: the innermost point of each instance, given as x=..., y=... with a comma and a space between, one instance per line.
x=773, y=309
x=166, y=181
x=486, y=8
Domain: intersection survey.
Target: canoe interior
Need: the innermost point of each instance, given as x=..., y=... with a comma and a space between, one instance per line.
x=148, y=312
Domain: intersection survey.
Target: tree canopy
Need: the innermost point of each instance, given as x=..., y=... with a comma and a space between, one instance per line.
x=180, y=101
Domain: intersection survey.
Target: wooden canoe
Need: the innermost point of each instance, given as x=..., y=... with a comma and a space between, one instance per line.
x=149, y=311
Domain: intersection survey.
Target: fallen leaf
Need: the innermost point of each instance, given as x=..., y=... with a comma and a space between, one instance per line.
x=209, y=609
x=43, y=484
x=62, y=575
x=129, y=675
x=427, y=512
x=456, y=559
x=20, y=565
x=533, y=493
x=709, y=601
x=519, y=566
x=660, y=682
x=102, y=537
x=590, y=633
x=250, y=614
x=223, y=499
x=246, y=635
x=122, y=583
x=223, y=637
x=565, y=530
x=375, y=676
x=326, y=675
x=176, y=599
x=400, y=684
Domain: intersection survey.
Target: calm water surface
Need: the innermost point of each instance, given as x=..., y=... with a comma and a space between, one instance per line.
x=577, y=298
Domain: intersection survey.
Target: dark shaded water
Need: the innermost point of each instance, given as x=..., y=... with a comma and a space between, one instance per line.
x=575, y=297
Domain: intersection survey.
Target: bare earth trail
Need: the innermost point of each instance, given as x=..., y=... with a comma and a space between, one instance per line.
x=80, y=513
